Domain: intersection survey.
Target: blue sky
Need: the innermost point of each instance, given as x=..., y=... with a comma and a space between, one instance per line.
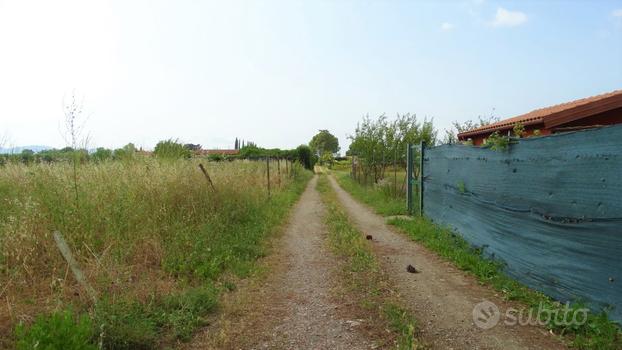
x=277, y=71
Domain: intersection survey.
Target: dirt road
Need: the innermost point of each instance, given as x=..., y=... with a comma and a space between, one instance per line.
x=441, y=297
x=292, y=308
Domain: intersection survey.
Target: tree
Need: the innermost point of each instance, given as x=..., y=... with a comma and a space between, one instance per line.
x=378, y=143
x=102, y=154
x=451, y=136
x=324, y=142
x=237, y=144
x=252, y=152
x=126, y=153
x=305, y=156
x=327, y=159
x=27, y=156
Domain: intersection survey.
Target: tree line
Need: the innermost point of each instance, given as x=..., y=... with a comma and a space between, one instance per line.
x=380, y=143
x=166, y=149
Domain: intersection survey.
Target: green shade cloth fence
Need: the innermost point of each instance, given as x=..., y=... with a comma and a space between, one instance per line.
x=549, y=207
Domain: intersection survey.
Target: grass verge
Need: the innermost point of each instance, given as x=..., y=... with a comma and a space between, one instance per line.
x=597, y=333
x=377, y=196
x=364, y=280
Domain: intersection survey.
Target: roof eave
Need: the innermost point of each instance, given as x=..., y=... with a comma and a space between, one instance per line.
x=502, y=127
x=583, y=111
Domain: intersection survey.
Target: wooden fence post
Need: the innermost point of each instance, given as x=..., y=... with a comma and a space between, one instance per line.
x=73, y=265
x=268, y=172
x=278, y=166
x=209, y=179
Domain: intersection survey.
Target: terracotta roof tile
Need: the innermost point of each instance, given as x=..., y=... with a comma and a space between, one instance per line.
x=540, y=115
x=221, y=151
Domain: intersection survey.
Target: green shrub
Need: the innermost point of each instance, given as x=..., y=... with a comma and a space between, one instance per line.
x=171, y=149
x=518, y=130
x=215, y=157
x=102, y=154
x=58, y=331
x=497, y=142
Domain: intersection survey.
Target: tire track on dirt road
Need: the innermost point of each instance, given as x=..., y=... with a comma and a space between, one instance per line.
x=441, y=297
x=292, y=308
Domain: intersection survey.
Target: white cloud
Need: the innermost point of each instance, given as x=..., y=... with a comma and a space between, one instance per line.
x=506, y=18
x=446, y=26
x=616, y=13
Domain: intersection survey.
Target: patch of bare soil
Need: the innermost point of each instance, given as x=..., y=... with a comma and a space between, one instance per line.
x=290, y=307
x=441, y=297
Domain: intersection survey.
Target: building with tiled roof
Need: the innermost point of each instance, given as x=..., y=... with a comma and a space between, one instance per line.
x=595, y=111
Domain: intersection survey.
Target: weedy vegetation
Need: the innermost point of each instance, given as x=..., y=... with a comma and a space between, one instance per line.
x=153, y=239
x=497, y=142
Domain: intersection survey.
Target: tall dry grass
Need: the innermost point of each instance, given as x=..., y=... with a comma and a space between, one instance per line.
x=141, y=230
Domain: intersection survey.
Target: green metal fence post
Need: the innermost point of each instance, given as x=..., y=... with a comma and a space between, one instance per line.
x=421, y=154
x=409, y=178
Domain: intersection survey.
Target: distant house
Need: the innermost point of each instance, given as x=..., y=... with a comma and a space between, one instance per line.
x=590, y=112
x=222, y=152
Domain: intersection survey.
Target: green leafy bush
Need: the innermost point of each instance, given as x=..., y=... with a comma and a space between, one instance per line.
x=497, y=142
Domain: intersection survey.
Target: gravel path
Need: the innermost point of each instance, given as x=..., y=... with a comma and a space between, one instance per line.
x=310, y=320
x=441, y=297
x=292, y=308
